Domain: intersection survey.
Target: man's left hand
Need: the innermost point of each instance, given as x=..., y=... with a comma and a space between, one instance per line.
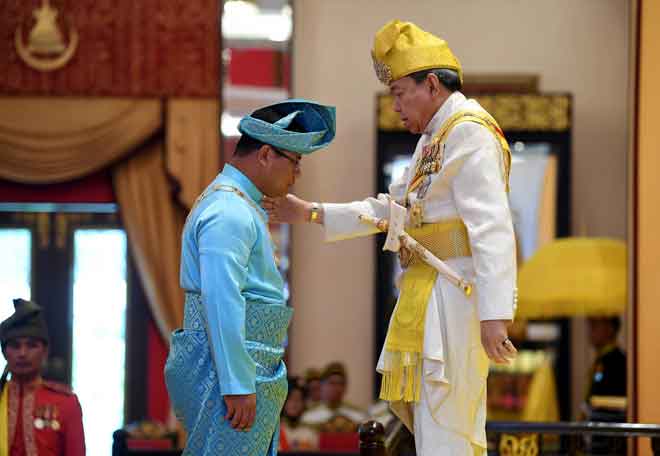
x=496, y=341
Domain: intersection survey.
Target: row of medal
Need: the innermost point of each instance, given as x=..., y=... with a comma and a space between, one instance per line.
x=429, y=163
x=46, y=417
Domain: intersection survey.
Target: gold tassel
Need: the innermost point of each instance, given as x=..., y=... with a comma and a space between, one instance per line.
x=410, y=384
x=402, y=379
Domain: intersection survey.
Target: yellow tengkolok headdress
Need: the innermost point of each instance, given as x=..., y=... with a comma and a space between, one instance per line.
x=402, y=48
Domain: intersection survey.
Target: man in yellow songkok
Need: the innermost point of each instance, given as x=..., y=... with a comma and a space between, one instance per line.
x=440, y=338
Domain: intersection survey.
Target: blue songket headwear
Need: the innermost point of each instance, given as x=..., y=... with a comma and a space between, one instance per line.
x=317, y=120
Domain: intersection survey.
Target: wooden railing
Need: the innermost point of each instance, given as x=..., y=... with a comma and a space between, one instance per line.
x=586, y=437
x=528, y=438
x=566, y=438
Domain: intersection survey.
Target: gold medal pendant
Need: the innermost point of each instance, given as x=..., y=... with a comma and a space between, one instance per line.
x=421, y=192
x=54, y=423
x=416, y=215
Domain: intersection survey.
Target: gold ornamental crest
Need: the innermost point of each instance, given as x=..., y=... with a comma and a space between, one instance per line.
x=45, y=49
x=383, y=71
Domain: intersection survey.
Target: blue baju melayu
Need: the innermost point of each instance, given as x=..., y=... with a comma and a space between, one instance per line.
x=235, y=316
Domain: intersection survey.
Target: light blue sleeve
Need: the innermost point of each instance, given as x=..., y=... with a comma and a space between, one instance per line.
x=225, y=238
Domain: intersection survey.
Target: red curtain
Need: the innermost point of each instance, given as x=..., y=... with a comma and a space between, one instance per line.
x=95, y=188
x=158, y=402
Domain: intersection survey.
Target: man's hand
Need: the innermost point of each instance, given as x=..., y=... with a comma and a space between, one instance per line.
x=287, y=209
x=241, y=410
x=496, y=342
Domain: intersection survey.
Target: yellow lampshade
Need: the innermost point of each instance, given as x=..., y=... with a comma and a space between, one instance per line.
x=574, y=277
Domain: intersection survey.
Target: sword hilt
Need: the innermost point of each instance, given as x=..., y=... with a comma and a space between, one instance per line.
x=380, y=224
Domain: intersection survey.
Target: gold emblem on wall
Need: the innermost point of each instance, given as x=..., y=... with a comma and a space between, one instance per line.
x=45, y=49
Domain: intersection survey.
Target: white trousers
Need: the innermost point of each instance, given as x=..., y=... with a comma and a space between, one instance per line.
x=431, y=439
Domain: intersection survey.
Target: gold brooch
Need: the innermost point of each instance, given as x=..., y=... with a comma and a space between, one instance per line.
x=383, y=71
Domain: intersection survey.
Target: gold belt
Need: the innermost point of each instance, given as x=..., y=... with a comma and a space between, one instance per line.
x=446, y=239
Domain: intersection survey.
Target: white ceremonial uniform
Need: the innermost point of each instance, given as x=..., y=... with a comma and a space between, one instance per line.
x=470, y=185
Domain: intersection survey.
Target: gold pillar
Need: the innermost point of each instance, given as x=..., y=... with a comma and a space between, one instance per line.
x=645, y=362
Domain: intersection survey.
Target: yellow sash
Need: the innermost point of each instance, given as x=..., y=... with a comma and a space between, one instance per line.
x=4, y=421
x=402, y=370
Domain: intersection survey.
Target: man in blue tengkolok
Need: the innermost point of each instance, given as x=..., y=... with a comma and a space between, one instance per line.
x=225, y=373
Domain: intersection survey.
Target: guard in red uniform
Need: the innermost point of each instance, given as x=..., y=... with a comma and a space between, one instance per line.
x=37, y=417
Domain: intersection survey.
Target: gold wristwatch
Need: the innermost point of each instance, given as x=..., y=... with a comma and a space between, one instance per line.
x=315, y=213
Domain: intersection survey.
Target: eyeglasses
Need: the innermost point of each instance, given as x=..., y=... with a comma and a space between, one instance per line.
x=296, y=163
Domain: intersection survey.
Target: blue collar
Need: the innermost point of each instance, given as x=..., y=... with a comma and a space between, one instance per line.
x=242, y=182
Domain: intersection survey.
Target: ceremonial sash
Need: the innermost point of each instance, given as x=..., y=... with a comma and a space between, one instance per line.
x=402, y=370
